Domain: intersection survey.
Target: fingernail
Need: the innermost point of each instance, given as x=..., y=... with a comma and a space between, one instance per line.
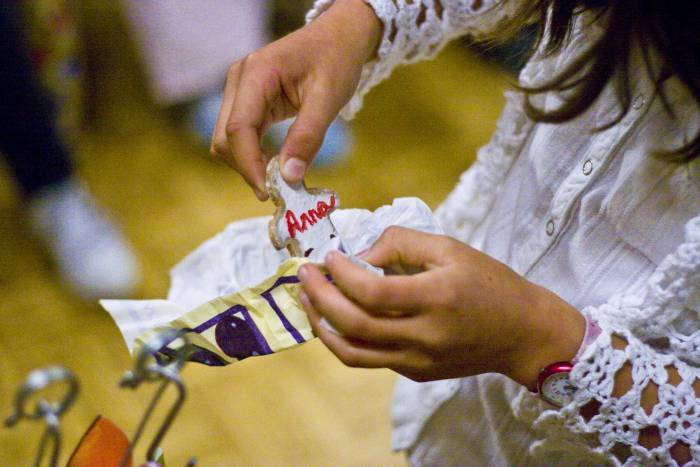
x=303, y=272
x=304, y=299
x=261, y=195
x=328, y=326
x=331, y=256
x=294, y=169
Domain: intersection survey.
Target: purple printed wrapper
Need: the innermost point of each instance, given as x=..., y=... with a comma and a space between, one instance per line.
x=256, y=321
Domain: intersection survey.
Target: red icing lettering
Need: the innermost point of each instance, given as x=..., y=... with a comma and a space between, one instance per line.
x=310, y=217
x=304, y=218
x=313, y=216
x=292, y=223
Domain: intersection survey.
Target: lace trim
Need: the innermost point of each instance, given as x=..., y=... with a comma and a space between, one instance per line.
x=619, y=421
x=660, y=315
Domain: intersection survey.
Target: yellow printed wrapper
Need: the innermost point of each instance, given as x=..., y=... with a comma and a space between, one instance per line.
x=255, y=321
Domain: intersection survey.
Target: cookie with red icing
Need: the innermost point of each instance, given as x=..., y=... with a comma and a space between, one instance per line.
x=301, y=222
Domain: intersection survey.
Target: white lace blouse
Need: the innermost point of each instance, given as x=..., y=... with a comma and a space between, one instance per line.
x=592, y=217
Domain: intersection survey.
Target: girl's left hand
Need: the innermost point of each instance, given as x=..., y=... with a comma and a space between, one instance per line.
x=461, y=313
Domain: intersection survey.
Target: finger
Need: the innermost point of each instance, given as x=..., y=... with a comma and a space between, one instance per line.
x=345, y=316
x=387, y=295
x=245, y=125
x=219, y=142
x=410, y=249
x=352, y=352
x=306, y=134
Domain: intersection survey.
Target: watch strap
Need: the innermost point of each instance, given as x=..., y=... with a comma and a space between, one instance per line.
x=591, y=334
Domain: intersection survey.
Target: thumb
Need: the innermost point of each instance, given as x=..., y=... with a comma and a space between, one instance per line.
x=305, y=137
x=408, y=251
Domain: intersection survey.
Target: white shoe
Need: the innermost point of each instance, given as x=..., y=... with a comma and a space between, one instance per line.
x=92, y=256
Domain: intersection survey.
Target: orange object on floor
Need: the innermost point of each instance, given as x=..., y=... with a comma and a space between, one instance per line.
x=102, y=445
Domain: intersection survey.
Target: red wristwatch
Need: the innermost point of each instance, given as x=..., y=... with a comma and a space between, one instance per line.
x=553, y=384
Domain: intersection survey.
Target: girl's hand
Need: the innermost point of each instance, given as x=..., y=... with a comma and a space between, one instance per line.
x=311, y=73
x=462, y=313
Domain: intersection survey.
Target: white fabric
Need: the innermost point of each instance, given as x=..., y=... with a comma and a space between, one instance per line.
x=589, y=215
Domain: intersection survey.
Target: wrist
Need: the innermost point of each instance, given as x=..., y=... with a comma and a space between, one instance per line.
x=553, y=332
x=355, y=24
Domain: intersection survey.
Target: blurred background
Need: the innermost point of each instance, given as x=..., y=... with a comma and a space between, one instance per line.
x=106, y=110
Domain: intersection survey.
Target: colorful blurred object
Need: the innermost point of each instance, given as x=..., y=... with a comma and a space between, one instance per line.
x=53, y=40
x=103, y=445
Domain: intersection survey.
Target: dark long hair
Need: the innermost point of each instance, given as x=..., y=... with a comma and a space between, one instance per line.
x=669, y=28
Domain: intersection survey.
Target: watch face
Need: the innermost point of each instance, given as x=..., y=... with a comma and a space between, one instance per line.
x=557, y=390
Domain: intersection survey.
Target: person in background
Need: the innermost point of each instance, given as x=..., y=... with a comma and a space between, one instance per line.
x=91, y=254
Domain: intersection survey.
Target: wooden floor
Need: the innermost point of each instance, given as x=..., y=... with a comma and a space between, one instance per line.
x=302, y=407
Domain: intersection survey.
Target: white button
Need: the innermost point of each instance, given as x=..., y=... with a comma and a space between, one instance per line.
x=587, y=167
x=550, y=227
x=639, y=101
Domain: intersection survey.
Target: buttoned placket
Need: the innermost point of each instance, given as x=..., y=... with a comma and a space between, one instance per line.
x=607, y=144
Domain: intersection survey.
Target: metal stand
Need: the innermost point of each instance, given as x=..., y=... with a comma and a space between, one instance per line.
x=148, y=367
x=49, y=412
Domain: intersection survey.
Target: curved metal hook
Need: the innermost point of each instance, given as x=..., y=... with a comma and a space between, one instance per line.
x=168, y=373
x=48, y=411
x=143, y=366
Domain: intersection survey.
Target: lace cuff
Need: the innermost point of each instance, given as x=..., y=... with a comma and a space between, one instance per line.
x=662, y=353
x=613, y=426
x=416, y=30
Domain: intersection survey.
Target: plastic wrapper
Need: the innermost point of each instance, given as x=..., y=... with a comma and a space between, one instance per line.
x=236, y=296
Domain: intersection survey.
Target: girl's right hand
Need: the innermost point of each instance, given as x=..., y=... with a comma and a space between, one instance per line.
x=311, y=74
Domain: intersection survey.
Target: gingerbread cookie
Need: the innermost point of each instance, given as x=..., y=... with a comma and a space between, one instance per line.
x=301, y=222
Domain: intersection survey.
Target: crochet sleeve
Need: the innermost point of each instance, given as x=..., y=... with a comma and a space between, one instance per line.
x=416, y=30
x=661, y=327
